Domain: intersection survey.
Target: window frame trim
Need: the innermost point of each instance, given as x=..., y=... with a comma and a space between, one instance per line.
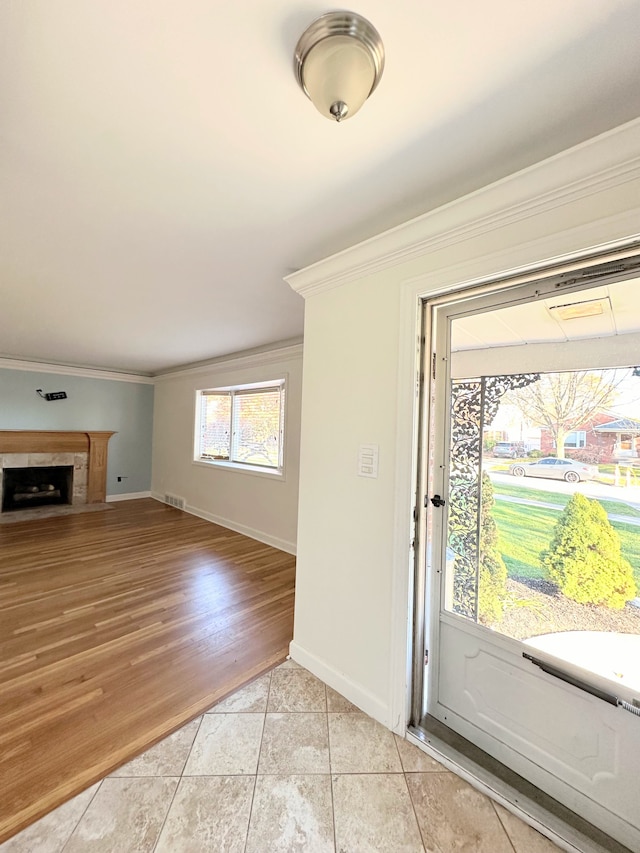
x=581, y=435
x=244, y=389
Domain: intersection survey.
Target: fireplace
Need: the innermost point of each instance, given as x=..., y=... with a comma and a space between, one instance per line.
x=27, y=488
x=83, y=453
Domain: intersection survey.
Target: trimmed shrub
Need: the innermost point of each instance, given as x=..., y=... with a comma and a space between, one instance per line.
x=492, y=581
x=535, y=454
x=590, y=455
x=584, y=558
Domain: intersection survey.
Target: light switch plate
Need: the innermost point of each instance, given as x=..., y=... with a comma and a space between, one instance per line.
x=368, y=460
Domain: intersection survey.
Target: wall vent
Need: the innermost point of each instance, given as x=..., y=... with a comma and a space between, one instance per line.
x=174, y=500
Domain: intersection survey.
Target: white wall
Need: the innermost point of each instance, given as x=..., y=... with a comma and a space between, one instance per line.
x=345, y=545
x=353, y=614
x=261, y=506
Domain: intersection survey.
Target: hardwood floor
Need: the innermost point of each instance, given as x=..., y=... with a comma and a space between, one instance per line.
x=117, y=627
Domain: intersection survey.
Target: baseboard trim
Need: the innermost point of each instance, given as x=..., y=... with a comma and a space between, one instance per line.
x=351, y=690
x=129, y=496
x=252, y=533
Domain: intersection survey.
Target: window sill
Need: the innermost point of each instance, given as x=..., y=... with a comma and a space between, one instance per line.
x=255, y=470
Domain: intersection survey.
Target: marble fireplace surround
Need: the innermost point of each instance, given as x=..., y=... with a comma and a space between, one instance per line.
x=86, y=451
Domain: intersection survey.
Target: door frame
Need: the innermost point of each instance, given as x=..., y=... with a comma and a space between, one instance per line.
x=444, y=281
x=424, y=581
x=431, y=373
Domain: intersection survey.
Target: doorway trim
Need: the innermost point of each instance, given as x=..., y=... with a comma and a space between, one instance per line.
x=422, y=582
x=447, y=282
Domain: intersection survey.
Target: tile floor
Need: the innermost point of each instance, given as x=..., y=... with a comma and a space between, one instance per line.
x=284, y=764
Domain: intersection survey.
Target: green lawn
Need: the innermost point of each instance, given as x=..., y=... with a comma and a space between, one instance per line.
x=615, y=507
x=503, y=467
x=524, y=531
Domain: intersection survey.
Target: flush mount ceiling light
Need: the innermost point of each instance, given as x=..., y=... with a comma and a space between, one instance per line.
x=339, y=61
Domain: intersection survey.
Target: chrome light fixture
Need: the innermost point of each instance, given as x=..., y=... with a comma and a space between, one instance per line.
x=338, y=62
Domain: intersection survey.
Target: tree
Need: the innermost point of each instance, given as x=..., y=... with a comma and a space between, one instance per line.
x=562, y=402
x=492, y=589
x=584, y=558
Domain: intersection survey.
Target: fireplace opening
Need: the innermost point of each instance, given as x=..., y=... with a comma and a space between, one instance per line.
x=24, y=488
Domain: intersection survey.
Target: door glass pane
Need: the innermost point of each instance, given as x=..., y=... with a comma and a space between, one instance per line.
x=543, y=535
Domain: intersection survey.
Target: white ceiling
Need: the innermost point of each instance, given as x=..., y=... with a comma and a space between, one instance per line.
x=538, y=322
x=160, y=170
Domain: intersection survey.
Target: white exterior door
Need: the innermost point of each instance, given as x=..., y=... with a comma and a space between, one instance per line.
x=520, y=687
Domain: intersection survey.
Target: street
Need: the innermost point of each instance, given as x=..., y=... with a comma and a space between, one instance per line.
x=591, y=489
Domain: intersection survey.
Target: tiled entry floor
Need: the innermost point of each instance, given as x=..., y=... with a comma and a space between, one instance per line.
x=284, y=764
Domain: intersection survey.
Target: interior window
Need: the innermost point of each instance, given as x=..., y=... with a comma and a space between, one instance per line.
x=242, y=426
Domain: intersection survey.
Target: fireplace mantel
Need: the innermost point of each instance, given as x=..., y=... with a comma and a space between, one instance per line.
x=93, y=443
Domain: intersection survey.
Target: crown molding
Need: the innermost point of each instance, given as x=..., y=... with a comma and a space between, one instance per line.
x=236, y=362
x=601, y=163
x=68, y=370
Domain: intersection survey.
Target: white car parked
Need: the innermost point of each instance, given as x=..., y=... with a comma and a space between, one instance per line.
x=555, y=469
